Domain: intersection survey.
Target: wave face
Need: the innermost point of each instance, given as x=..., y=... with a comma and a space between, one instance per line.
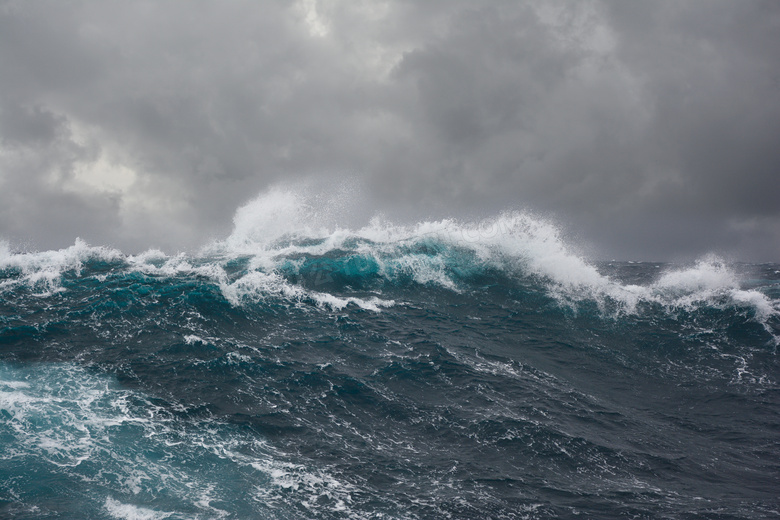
x=443, y=369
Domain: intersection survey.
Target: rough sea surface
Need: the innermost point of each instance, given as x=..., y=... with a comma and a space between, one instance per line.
x=448, y=369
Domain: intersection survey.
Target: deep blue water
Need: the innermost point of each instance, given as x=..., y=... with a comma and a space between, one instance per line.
x=442, y=370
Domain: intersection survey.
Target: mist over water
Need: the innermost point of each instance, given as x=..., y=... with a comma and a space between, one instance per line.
x=310, y=366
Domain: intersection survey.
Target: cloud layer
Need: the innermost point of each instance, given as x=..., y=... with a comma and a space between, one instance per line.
x=651, y=130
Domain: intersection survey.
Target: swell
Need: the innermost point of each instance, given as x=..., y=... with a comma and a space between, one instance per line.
x=420, y=374
x=289, y=248
x=349, y=269
x=702, y=317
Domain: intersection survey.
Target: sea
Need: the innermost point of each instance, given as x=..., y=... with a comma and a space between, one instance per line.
x=443, y=369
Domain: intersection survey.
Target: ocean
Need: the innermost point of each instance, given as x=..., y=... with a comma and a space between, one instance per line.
x=442, y=369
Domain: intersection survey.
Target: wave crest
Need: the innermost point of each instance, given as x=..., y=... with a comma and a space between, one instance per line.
x=289, y=245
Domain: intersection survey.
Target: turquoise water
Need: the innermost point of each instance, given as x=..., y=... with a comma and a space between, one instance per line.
x=439, y=370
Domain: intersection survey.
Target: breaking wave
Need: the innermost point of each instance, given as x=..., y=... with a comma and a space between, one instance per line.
x=287, y=245
x=302, y=367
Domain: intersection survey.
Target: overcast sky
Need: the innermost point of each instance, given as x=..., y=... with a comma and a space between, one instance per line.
x=648, y=130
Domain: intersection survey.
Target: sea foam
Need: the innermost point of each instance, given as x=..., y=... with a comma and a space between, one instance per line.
x=285, y=222
x=276, y=233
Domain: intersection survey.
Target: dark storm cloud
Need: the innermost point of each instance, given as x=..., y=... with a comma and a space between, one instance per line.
x=712, y=81
x=650, y=129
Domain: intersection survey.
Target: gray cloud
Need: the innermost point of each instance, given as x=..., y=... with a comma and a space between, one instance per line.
x=648, y=129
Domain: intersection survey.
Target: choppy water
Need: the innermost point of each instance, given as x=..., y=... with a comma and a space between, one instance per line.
x=441, y=370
